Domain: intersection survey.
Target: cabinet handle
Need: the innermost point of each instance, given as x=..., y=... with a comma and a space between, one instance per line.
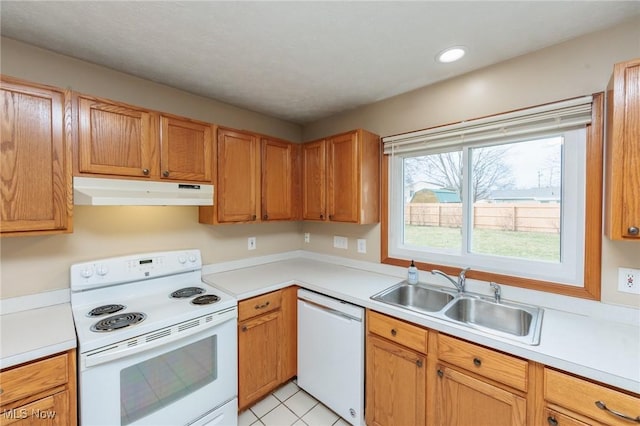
x=244, y=328
x=264, y=305
x=265, y=217
x=321, y=216
x=477, y=362
x=330, y=217
x=552, y=421
x=165, y=173
x=419, y=363
x=633, y=230
x=440, y=373
x=145, y=172
x=394, y=332
x=601, y=405
x=254, y=217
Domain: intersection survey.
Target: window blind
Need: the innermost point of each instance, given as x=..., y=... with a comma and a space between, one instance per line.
x=562, y=115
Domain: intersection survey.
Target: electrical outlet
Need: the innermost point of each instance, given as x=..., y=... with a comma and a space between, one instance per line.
x=629, y=280
x=362, y=245
x=251, y=243
x=307, y=237
x=340, y=242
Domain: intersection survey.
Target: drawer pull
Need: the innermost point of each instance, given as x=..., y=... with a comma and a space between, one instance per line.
x=394, y=332
x=419, y=363
x=440, y=373
x=552, y=421
x=477, y=362
x=264, y=305
x=633, y=230
x=601, y=405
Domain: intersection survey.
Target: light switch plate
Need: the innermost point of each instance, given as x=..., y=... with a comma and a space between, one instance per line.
x=362, y=245
x=340, y=242
x=629, y=280
x=307, y=237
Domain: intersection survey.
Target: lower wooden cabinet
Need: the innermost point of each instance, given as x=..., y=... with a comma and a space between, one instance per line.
x=41, y=392
x=266, y=344
x=396, y=372
x=584, y=402
x=462, y=400
x=396, y=384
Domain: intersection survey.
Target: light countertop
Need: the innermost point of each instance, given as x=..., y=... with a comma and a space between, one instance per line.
x=35, y=333
x=591, y=347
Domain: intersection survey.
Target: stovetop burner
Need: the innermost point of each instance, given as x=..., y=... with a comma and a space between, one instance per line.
x=105, y=310
x=207, y=299
x=187, y=292
x=119, y=321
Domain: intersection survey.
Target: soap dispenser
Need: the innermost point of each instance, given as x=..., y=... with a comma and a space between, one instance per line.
x=412, y=273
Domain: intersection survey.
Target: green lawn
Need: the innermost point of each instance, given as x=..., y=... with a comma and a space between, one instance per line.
x=527, y=245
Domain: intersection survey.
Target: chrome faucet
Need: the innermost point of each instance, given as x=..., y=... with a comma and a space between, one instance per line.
x=462, y=279
x=497, y=292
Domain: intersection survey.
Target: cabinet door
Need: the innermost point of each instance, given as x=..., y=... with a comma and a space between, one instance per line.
x=49, y=411
x=463, y=400
x=185, y=150
x=116, y=139
x=277, y=162
x=623, y=153
x=35, y=160
x=314, y=180
x=289, y=344
x=258, y=357
x=238, y=176
x=343, y=179
x=396, y=384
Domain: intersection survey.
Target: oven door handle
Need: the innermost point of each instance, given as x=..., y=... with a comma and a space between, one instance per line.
x=157, y=338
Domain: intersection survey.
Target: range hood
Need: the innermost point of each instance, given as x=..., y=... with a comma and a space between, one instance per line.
x=120, y=192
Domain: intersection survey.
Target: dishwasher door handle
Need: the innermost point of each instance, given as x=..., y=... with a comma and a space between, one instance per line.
x=331, y=310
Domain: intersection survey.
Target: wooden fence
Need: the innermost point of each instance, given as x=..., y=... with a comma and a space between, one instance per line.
x=524, y=217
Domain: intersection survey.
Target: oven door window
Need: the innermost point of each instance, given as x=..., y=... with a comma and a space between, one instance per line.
x=156, y=383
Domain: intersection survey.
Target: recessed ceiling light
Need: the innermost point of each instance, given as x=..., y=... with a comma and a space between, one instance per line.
x=451, y=54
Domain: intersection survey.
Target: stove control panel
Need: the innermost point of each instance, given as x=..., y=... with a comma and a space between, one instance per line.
x=117, y=270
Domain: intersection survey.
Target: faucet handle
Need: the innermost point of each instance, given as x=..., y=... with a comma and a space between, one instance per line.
x=497, y=291
x=463, y=272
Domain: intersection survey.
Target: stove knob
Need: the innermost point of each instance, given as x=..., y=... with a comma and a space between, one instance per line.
x=192, y=258
x=102, y=270
x=87, y=272
x=182, y=259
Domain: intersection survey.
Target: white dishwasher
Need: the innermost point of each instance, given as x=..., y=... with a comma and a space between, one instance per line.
x=331, y=353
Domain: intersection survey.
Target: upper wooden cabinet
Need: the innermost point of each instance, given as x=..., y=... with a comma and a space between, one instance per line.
x=280, y=186
x=257, y=179
x=622, y=208
x=126, y=141
x=35, y=160
x=237, y=181
x=185, y=149
x=345, y=169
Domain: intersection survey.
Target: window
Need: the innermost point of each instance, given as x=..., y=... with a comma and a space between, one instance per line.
x=506, y=195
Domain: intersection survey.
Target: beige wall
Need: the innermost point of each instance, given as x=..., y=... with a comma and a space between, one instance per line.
x=574, y=68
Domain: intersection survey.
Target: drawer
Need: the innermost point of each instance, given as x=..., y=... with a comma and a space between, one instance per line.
x=32, y=378
x=259, y=305
x=581, y=395
x=493, y=365
x=398, y=331
x=554, y=418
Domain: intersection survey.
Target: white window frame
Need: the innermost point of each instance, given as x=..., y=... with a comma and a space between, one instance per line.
x=521, y=125
x=570, y=269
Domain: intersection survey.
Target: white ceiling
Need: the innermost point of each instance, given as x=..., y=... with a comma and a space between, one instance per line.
x=301, y=61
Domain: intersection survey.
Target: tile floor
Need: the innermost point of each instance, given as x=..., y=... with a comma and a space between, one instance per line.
x=289, y=405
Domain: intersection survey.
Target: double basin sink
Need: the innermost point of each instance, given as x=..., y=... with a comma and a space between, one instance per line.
x=517, y=322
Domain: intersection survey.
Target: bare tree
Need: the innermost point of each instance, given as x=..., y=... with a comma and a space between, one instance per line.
x=489, y=171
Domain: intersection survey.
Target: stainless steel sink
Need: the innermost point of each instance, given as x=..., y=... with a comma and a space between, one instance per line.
x=498, y=317
x=519, y=322
x=415, y=297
